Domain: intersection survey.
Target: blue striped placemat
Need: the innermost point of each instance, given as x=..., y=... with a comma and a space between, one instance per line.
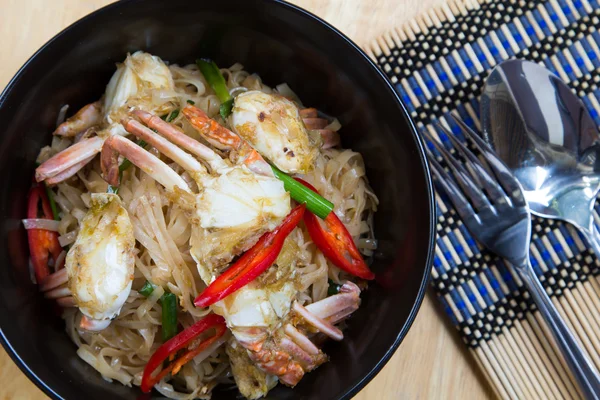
x=438, y=64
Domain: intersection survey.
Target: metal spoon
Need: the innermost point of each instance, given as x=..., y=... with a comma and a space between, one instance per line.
x=545, y=135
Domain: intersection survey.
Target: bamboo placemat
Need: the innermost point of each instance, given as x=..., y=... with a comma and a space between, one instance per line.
x=438, y=63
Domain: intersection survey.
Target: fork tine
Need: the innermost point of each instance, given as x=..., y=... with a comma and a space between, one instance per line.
x=480, y=173
x=463, y=178
x=503, y=174
x=461, y=204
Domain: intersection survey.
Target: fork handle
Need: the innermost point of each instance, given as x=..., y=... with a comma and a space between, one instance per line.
x=586, y=375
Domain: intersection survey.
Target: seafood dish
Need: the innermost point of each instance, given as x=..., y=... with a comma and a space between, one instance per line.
x=196, y=227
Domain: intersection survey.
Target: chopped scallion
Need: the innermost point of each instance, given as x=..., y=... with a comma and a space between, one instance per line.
x=53, y=206
x=169, y=316
x=315, y=203
x=173, y=115
x=147, y=289
x=215, y=79
x=225, y=108
x=191, y=102
x=50, y=195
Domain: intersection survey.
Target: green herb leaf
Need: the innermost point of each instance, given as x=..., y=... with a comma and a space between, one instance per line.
x=315, y=203
x=191, y=102
x=169, y=316
x=147, y=289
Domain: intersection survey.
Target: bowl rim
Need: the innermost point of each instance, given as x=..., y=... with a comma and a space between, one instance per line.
x=355, y=386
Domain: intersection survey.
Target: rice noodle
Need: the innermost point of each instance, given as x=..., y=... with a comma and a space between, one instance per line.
x=41, y=223
x=162, y=231
x=68, y=238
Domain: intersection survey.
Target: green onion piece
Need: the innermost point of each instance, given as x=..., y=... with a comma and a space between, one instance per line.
x=169, y=316
x=173, y=115
x=191, y=102
x=53, y=206
x=50, y=195
x=333, y=288
x=215, y=79
x=112, y=189
x=225, y=108
x=315, y=203
x=147, y=289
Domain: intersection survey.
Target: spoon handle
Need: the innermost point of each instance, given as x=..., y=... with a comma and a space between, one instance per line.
x=583, y=370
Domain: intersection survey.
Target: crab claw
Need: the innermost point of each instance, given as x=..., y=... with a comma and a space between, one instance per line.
x=223, y=139
x=84, y=119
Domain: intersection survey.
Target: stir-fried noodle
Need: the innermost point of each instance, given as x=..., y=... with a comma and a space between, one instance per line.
x=162, y=230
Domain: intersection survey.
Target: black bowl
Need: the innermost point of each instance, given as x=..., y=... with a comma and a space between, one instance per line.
x=282, y=43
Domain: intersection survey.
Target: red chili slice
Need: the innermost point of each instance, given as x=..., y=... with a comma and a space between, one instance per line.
x=42, y=243
x=335, y=242
x=252, y=263
x=178, y=342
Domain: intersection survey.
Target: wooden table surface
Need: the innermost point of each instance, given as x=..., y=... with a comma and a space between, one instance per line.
x=432, y=362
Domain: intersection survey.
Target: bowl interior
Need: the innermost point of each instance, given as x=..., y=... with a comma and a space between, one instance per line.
x=281, y=44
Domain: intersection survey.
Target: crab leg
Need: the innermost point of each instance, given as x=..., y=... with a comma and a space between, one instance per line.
x=66, y=174
x=167, y=148
x=301, y=340
x=222, y=138
x=319, y=323
x=54, y=280
x=310, y=112
x=299, y=355
x=330, y=138
x=85, y=118
x=217, y=135
x=315, y=123
x=57, y=293
x=334, y=306
x=311, y=119
x=142, y=159
x=176, y=136
x=66, y=160
x=66, y=302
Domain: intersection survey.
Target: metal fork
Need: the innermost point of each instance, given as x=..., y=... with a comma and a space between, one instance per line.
x=499, y=219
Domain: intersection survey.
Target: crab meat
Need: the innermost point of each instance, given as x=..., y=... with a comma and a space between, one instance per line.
x=99, y=266
x=234, y=207
x=132, y=85
x=273, y=126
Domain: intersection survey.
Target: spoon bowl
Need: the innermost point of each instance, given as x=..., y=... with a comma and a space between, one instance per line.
x=545, y=135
